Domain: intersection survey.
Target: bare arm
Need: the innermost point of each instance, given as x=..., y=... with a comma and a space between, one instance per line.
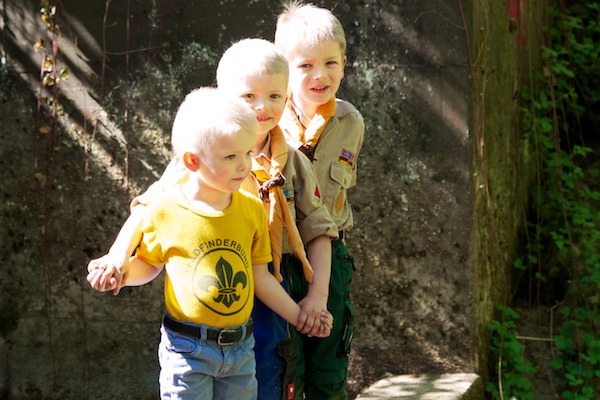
x=270, y=292
x=108, y=271
x=140, y=272
x=319, y=254
x=129, y=236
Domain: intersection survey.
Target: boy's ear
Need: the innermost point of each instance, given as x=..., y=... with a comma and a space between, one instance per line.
x=191, y=161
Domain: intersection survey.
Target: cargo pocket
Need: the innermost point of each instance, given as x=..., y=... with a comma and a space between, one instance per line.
x=344, y=268
x=348, y=329
x=289, y=351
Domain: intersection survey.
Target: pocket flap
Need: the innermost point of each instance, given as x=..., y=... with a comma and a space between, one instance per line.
x=341, y=174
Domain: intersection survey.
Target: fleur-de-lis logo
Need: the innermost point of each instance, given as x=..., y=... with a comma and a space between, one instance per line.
x=225, y=283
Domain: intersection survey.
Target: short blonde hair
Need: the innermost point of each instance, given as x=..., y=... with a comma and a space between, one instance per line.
x=307, y=25
x=206, y=114
x=250, y=58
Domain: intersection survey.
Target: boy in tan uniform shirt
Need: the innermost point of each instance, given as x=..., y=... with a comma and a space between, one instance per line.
x=256, y=71
x=330, y=132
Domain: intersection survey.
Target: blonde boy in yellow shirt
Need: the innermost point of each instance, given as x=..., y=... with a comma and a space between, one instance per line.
x=213, y=242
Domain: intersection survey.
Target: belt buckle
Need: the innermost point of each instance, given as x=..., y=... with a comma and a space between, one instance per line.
x=222, y=333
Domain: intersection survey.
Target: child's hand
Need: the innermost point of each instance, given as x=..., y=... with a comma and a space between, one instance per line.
x=106, y=274
x=100, y=274
x=96, y=278
x=326, y=325
x=311, y=309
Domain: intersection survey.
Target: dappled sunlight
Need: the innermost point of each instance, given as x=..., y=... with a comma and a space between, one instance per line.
x=421, y=387
x=93, y=127
x=409, y=78
x=441, y=92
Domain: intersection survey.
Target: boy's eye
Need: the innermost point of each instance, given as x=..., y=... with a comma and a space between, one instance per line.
x=304, y=66
x=332, y=62
x=248, y=96
x=230, y=157
x=276, y=96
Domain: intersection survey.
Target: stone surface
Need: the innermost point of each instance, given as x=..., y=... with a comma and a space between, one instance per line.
x=66, y=193
x=425, y=387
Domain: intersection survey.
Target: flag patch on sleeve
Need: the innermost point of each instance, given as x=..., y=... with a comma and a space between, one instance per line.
x=346, y=157
x=289, y=195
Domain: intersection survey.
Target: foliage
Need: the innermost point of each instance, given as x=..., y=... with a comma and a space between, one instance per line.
x=50, y=74
x=512, y=370
x=559, y=118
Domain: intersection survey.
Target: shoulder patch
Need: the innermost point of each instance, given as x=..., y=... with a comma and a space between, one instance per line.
x=289, y=195
x=346, y=157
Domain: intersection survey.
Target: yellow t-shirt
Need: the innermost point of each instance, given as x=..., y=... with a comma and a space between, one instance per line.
x=208, y=257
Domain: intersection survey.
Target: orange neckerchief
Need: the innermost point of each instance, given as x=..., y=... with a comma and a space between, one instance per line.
x=279, y=213
x=310, y=134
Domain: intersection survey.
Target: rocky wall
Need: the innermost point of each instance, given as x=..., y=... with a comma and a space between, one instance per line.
x=419, y=248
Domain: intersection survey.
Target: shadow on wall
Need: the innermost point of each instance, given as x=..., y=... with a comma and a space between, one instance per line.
x=407, y=73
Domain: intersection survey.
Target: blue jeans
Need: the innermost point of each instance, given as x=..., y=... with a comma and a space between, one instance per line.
x=269, y=330
x=200, y=369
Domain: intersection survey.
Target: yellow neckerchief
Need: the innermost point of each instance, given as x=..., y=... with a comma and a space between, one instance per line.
x=309, y=135
x=279, y=213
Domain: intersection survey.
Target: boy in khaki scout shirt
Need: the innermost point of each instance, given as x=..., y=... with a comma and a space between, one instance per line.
x=330, y=132
x=256, y=71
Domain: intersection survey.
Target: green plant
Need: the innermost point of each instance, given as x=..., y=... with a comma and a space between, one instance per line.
x=511, y=370
x=50, y=74
x=559, y=117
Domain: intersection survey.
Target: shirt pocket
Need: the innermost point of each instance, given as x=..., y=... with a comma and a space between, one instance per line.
x=341, y=174
x=341, y=180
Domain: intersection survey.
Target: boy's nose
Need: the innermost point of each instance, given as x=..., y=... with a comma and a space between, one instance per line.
x=245, y=164
x=318, y=73
x=260, y=104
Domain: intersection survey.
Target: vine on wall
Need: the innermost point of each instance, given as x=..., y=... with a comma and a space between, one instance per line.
x=562, y=260
x=47, y=110
x=50, y=74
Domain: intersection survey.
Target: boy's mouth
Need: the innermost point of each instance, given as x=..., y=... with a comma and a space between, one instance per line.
x=262, y=118
x=320, y=89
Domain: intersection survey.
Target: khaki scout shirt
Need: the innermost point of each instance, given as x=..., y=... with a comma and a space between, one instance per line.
x=302, y=194
x=335, y=157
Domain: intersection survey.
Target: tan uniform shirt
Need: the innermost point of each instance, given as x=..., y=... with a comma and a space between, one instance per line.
x=302, y=193
x=335, y=157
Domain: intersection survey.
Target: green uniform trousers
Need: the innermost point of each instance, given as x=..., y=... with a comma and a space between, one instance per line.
x=323, y=363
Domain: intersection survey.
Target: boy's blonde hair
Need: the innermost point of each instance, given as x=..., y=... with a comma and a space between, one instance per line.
x=250, y=58
x=206, y=114
x=307, y=25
